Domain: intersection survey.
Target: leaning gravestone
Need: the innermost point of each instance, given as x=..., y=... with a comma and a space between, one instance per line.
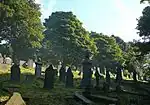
x=16, y=99
x=15, y=73
x=62, y=74
x=69, y=78
x=38, y=68
x=49, y=77
x=87, y=75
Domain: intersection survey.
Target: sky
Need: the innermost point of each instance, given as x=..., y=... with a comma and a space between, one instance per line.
x=117, y=17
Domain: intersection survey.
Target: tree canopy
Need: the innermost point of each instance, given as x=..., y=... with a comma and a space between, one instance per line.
x=109, y=52
x=67, y=38
x=20, y=24
x=144, y=30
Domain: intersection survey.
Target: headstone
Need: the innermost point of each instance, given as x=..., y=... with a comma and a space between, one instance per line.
x=38, y=68
x=97, y=75
x=107, y=76
x=69, y=78
x=105, y=87
x=134, y=75
x=87, y=73
x=49, y=77
x=16, y=99
x=62, y=73
x=4, y=59
x=1, y=58
x=22, y=62
x=119, y=74
x=15, y=73
x=8, y=60
x=30, y=63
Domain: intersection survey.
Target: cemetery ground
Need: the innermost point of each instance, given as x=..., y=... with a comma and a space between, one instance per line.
x=32, y=92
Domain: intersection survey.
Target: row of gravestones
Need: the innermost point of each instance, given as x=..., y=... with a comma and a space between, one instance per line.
x=67, y=77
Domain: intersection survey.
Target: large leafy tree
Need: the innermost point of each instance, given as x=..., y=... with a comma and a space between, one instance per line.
x=142, y=1
x=120, y=42
x=67, y=38
x=144, y=30
x=20, y=25
x=109, y=51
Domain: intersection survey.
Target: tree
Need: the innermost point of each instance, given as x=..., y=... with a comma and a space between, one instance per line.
x=67, y=38
x=144, y=30
x=120, y=42
x=142, y=1
x=108, y=51
x=20, y=25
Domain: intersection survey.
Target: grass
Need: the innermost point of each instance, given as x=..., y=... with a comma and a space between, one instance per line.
x=33, y=89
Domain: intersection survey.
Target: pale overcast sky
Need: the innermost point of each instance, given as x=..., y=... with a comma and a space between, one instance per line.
x=116, y=17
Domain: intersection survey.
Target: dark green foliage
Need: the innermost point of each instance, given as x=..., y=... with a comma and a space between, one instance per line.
x=109, y=51
x=142, y=1
x=120, y=42
x=20, y=25
x=66, y=37
x=144, y=30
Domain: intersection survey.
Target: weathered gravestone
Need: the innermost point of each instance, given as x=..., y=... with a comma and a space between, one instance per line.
x=87, y=75
x=69, y=78
x=16, y=99
x=4, y=59
x=97, y=75
x=106, y=84
x=62, y=73
x=119, y=74
x=30, y=63
x=1, y=58
x=49, y=77
x=15, y=73
x=38, y=68
x=134, y=75
x=107, y=76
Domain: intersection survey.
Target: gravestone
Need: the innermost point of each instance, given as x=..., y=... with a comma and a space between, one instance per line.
x=119, y=74
x=30, y=63
x=106, y=87
x=62, y=73
x=134, y=75
x=16, y=99
x=22, y=62
x=69, y=78
x=107, y=76
x=4, y=59
x=49, y=77
x=97, y=75
x=87, y=75
x=38, y=68
x=8, y=60
x=1, y=58
x=15, y=73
